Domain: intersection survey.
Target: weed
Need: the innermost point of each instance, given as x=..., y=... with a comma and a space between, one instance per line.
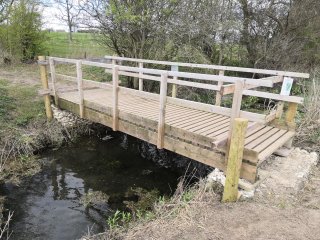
x=119, y=218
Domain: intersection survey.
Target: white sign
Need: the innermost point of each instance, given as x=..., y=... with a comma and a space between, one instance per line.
x=174, y=68
x=286, y=86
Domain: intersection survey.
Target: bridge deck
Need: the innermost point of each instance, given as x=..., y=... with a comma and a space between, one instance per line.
x=189, y=126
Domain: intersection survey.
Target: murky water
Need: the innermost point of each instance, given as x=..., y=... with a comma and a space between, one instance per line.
x=48, y=206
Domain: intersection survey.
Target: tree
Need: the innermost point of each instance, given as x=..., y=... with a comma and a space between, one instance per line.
x=5, y=6
x=130, y=28
x=69, y=13
x=23, y=36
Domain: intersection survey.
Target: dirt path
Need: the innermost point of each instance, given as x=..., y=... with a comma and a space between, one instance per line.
x=21, y=74
x=293, y=219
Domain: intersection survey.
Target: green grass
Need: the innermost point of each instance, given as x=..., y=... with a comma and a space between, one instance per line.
x=57, y=44
x=18, y=105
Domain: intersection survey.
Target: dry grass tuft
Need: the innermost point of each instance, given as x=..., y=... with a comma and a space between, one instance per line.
x=309, y=127
x=178, y=207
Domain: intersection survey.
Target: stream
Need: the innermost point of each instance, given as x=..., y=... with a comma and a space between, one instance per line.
x=50, y=205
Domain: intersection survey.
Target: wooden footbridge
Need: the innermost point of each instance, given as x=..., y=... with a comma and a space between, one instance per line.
x=196, y=130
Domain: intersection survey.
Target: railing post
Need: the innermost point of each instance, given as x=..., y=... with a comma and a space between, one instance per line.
x=140, y=77
x=45, y=86
x=115, y=115
x=174, y=86
x=280, y=106
x=53, y=80
x=163, y=99
x=235, y=111
x=235, y=156
x=290, y=115
x=219, y=94
x=80, y=88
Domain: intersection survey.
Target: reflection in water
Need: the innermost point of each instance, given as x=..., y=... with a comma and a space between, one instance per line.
x=48, y=206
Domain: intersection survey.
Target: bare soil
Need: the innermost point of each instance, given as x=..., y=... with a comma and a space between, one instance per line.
x=297, y=218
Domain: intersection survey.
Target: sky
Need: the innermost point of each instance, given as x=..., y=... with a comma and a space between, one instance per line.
x=50, y=19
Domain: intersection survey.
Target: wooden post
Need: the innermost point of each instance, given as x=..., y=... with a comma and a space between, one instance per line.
x=140, y=78
x=80, y=89
x=115, y=115
x=45, y=86
x=291, y=114
x=219, y=95
x=279, y=106
x=53, y=80
x=235, y=111
x=230, y=193
x=174, y=86
x=163, y=99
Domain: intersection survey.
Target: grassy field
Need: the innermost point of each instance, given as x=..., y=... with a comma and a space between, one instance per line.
x=83, y=44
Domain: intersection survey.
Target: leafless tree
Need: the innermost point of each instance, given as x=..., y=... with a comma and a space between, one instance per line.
x=69, y=13
x=5, y=6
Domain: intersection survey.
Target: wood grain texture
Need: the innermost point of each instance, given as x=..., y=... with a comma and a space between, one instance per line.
x=235, y=156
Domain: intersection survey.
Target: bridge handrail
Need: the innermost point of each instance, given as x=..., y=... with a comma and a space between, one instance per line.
x=214, y=67
x=199, y=76
x=240, y=87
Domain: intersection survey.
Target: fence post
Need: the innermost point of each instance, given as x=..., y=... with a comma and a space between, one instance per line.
x=53, y=80
x=235, y=111
x=235, y=156
x=115, y=115
x=140, y=77
x=174, y=86
x=45, y=86
x=291, y=114
x=163, y=99
x=219, y=95
x=80, y=88
x=280, y=106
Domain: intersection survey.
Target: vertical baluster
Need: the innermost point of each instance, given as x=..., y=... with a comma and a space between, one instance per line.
x=174, y=86
x=115, y=115
x=80, y=88
x=53, y=80
x=163, y=99
x=140, y=78
x=219, y=94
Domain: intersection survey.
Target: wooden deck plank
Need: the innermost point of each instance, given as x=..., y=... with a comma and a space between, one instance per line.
x=192, y=119
x=262, y=138
x=203, y=122
x=217, y=125
x=269, y=141
x=211, y=125
x=257, y=134
x=275, y=146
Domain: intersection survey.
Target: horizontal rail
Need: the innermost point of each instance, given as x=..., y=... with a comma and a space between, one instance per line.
x=147, y=73
x=199, y=76
x=215, y=67
x=273, y=96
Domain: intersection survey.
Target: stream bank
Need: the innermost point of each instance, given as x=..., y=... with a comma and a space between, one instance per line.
x=83, y=183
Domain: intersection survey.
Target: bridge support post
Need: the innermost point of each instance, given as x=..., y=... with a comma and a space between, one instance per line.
x=45, y=86
x=235, y=156
x=163, y=99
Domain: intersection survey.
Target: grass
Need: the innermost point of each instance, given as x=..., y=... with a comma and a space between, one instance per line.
x=83, y=45
x=18, y=105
